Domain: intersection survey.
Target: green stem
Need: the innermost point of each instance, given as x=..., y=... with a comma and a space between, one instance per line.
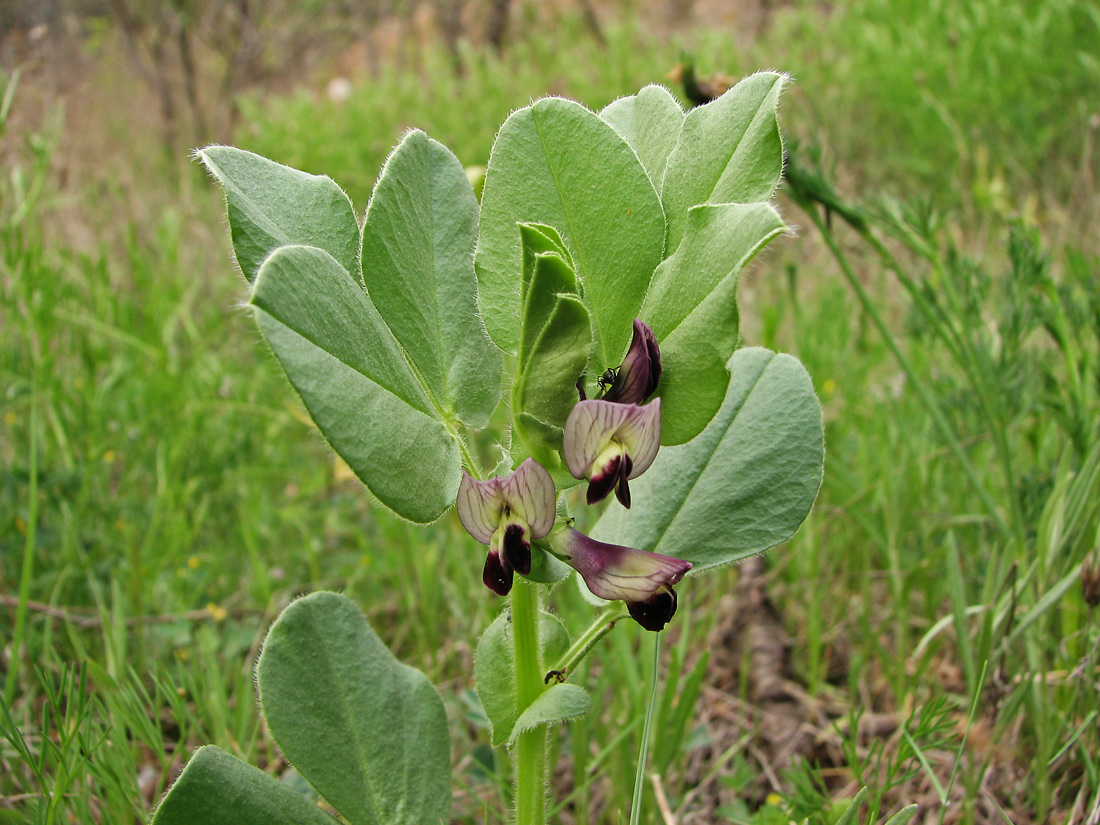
x=643, y=755
x=530, y=752
x=603, y=625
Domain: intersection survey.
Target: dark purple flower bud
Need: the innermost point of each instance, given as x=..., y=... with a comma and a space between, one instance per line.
x=640, y=372
x=641, y=579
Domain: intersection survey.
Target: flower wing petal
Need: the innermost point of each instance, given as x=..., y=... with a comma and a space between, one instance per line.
x=588, y=431
x=640, y=434
x=531, y=494
x=479, y=504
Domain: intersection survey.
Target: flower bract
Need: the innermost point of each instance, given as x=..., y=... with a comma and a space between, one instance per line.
x=507, y=513
x=609, y=444
x=641, y=579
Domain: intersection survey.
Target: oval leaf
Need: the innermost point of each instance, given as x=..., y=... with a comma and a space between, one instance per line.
x=418, y=245
x=356, y=384
x=650, y=122
x=218, y=787
x=692, y=309
x=729, y=151
x=369, y=733
x=271, y=205
x=744, y=485
x=557, y=163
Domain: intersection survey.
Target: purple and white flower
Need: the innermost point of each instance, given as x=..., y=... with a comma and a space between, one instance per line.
x=609, y=444
x=507, y=513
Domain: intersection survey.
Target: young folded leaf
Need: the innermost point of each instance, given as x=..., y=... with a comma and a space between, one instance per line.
x=555, y=343
x=558, y=164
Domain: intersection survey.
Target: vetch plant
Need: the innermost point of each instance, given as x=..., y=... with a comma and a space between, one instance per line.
x=593, y=293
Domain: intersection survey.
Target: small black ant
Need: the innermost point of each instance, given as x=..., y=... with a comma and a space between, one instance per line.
x=608, y=378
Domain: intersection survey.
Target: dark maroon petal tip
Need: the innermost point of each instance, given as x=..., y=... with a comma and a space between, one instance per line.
x=497, y=576
x=517, y=550
x=622, y=492
x=656, y=611
x=622, y=489
x=602, y=484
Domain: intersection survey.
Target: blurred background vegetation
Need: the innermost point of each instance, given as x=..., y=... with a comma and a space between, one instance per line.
x=932, y=630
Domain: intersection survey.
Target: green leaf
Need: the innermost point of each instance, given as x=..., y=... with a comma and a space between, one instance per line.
x=418, y=244
x=557, y=704
x=369, y=733
x=545, y=566
x=692, y=309
x=495, y=671
x=538, y=238
x=729, y=151
x=903, y=816
x=271, y=205
x=650, y=122
x=745, y=484
x=557, y=163
x=851, y=813
x=358, y=387
x=557, y=339
x=217, y=788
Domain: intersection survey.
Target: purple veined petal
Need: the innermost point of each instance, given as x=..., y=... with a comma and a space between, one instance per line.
x=532, y=497
x=588, y=432
x=593, y=425
x=614, y=572
x=640, y=372
x=479, y=505
x=640, y=434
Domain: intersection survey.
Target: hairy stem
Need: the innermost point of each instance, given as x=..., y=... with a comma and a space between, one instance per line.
x=604, y=624
x=530, y=750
